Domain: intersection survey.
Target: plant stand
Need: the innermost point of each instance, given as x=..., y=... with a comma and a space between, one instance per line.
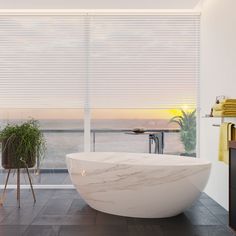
x=18, y=186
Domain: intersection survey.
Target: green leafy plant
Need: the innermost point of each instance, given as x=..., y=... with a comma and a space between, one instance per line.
x=25, y=142
x=187, y=124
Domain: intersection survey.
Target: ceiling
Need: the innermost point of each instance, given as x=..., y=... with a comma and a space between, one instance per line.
x=98, y=4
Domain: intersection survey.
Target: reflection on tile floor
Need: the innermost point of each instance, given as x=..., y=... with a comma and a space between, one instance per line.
x=63, y=212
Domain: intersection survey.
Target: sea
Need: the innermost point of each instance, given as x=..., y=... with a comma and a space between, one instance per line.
x=65, y=136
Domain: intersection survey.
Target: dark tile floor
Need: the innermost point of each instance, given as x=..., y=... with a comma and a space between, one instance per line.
x=64, y=213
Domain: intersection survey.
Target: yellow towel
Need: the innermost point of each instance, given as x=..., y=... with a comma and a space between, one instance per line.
x=228, y=101
x=233, y=135
x=225, y=106
x=224, y=113
x=227, y=133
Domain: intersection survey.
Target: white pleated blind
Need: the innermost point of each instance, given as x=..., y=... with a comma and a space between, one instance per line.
x=99, y=61
x=42, y=61
x=144, y=61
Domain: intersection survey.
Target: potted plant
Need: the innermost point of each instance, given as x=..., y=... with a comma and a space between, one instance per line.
x=187, y=124
x=22, y=145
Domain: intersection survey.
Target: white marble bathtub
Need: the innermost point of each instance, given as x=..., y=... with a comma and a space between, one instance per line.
x=138, y=184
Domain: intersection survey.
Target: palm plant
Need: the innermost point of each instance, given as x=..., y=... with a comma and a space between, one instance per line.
x=187, y=124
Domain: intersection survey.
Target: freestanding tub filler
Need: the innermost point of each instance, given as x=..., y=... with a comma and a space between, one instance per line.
x=138, y=184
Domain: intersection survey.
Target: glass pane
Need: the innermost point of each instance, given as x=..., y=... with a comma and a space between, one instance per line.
x=63, y=131
x=113, y=130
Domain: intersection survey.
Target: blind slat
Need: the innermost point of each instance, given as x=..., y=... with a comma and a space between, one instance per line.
x=144, y=61
x=100, y=61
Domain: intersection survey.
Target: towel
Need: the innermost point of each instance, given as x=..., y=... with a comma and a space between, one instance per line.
x=227, y=133
x=228, y=101
x=225, y=113
x=225, y=106
x=233, y=135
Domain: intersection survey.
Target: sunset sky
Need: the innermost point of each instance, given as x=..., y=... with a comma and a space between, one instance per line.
x=95, y=114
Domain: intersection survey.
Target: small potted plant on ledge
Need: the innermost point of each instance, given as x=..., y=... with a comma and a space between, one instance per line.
x=187, y=124
x=22, y=145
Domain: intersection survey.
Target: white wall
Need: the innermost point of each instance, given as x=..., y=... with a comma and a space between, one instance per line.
x=218, y=77
x=98, y=4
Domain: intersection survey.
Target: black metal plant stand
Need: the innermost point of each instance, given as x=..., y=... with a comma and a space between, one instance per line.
x=18, y=186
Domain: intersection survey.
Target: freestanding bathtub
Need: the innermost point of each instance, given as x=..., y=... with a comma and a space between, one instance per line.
x=138, y=184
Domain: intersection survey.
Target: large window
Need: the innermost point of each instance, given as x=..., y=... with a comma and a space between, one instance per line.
x=112, y=130
x=102, y=64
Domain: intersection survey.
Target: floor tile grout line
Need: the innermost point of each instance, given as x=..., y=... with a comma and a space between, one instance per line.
x=226, y=226
x=45, y=204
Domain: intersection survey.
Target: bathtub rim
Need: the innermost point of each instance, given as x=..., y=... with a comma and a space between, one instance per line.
x=192, y=161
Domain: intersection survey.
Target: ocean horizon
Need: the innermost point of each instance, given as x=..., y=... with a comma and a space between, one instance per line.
x=60, y=144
